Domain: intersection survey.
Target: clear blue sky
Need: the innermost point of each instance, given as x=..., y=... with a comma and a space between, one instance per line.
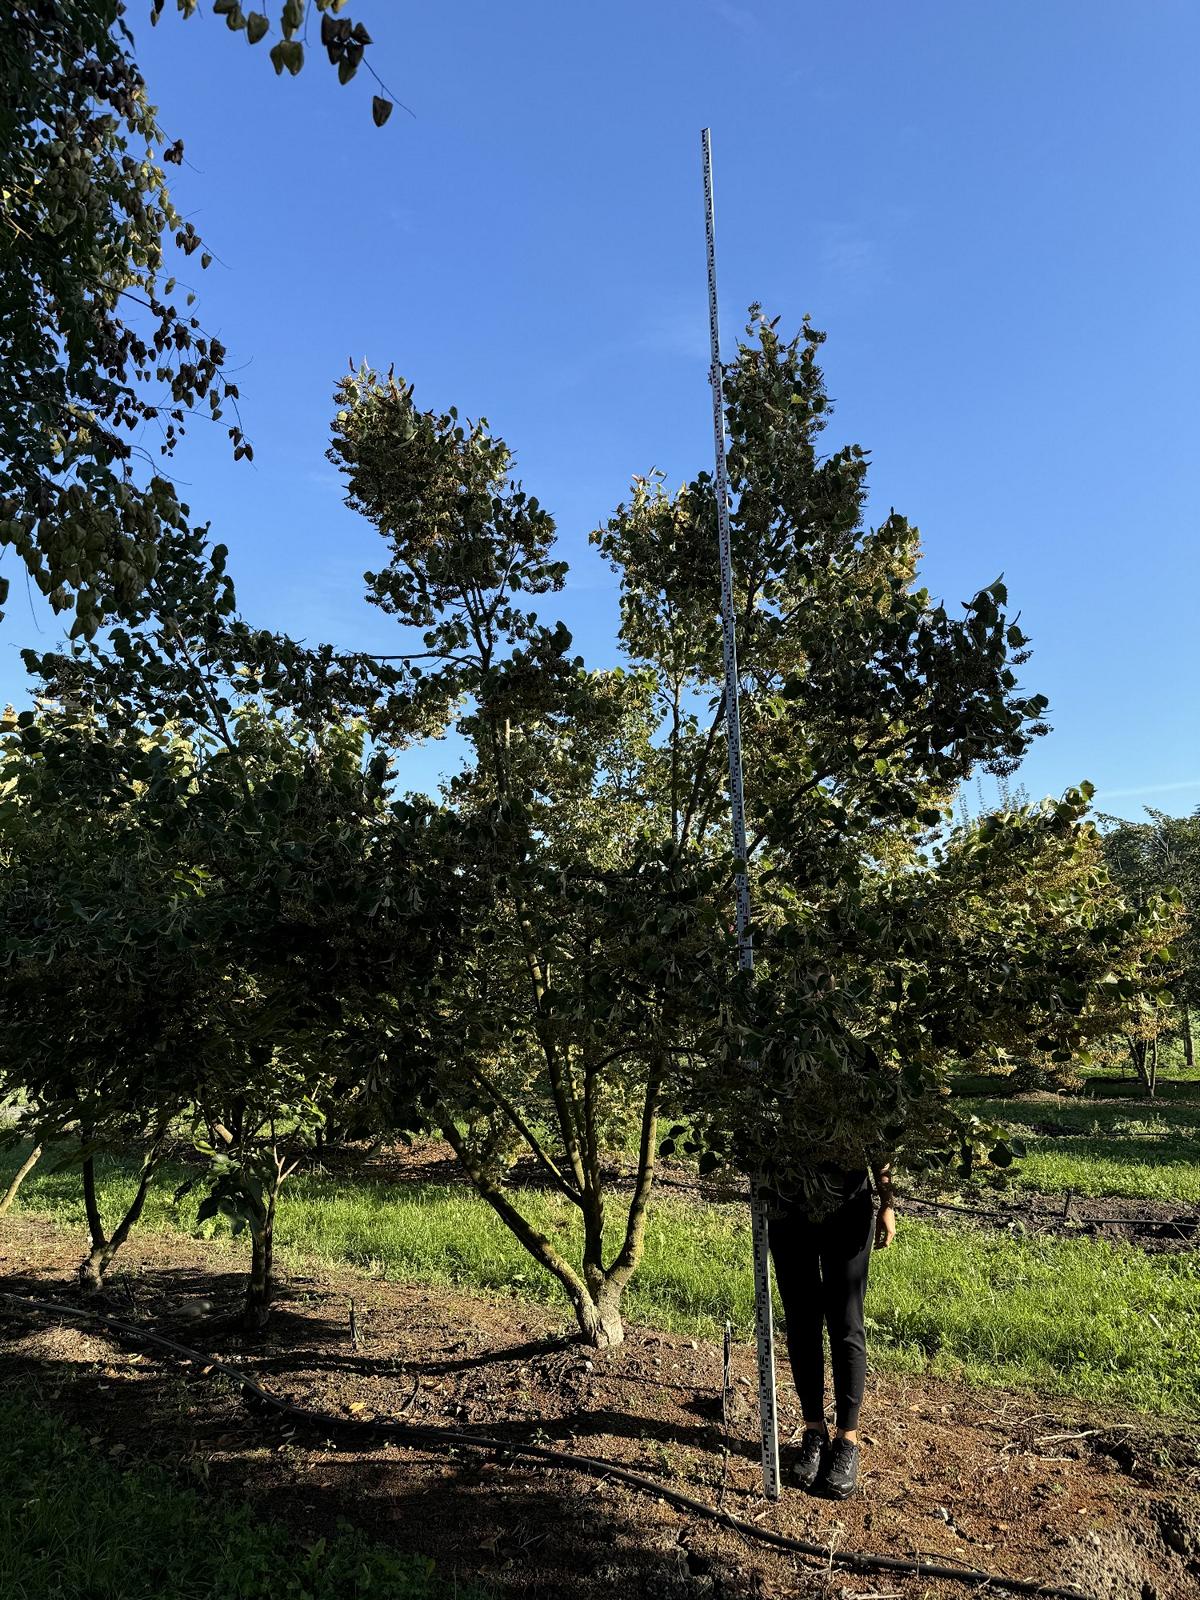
x=992, y=209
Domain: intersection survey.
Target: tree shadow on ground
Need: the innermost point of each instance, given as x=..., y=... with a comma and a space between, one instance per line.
x=513, y=1524
x=294, y=1348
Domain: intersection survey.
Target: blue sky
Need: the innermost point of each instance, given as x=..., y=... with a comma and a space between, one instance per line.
x=991, y=208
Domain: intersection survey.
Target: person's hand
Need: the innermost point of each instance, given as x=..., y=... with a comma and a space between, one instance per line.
x=885, y=1227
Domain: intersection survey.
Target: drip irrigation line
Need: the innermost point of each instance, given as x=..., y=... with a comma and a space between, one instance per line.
x=592, y=1466
x=1143, y=1225
x=1190, y=1220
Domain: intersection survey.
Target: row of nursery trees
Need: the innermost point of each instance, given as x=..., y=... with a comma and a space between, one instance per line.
x=223, y=920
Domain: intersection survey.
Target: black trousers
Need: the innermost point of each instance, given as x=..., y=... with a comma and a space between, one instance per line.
x=821, y=1270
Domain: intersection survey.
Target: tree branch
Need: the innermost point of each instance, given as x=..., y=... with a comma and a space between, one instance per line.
x=538, y=1246
x=526, y=1133
x=635, y=1229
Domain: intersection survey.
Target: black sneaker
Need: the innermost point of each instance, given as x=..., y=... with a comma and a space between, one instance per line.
x=808, y=1459
x=841, y=1473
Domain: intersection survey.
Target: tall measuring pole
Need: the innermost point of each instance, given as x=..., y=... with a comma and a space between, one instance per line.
x=764, y=1330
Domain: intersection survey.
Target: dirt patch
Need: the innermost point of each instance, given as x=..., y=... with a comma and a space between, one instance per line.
x=1153, y=1225
x=980, y=1478
x=1116, y=1564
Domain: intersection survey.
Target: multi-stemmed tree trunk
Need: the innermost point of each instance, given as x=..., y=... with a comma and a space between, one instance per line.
x=596, y=1292
x=103, y=1246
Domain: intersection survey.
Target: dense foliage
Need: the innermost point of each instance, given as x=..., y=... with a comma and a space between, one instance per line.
x=206, y=933
x=99, y=346
x=541, y=965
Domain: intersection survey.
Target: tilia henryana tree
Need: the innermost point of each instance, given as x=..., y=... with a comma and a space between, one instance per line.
x=98, y=345
x=544, y=964
x=599, y=989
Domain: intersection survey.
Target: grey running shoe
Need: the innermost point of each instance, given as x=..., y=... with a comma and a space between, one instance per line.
x=808, y=1459
x=841, y=1474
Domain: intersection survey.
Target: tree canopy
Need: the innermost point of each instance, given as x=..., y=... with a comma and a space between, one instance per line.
x=99, y=343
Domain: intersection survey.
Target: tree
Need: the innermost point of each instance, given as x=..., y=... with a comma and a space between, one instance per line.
x=205, y=929
x=525, y=1058
x=1149, y=859
x=602, y=985
x=105, y=1007
x=94, y=343
x=864, y=706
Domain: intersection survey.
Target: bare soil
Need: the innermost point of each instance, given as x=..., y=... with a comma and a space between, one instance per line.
x=1156, y=1226
x=1007, y=1482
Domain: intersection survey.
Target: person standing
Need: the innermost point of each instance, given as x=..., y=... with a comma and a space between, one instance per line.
x=821, y=1256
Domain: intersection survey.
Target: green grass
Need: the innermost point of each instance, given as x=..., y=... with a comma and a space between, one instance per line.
x=1101, y=1150
x=74, y=1526
x=1122, y=1078
x=1101, y=1322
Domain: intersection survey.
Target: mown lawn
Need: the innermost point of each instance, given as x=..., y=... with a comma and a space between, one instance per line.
x=1103, y=1322
x=73, y=1523
x=1098, y=1150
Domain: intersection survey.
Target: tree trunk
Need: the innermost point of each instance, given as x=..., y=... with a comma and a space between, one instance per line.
x=596, y=1298
x=599, y=1317
x=90, y=1277
x=261, y=1287
x=1152, y=1075
x=23, y=1171
x=596, y=1309
x=101, y=1250
x=1137, y=1052
x=1189, y=1048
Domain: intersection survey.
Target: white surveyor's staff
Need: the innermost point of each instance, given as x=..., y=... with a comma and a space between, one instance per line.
x=764, y=1332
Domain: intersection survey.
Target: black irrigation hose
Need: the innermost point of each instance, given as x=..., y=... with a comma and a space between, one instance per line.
x=1015, y=1215
x=420, y=1433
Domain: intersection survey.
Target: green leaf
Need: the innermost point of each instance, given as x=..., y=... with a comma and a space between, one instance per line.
x=257, y=26
x=381, y=110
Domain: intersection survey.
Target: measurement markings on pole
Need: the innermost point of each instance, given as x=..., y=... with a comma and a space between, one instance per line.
x=764, y=1331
